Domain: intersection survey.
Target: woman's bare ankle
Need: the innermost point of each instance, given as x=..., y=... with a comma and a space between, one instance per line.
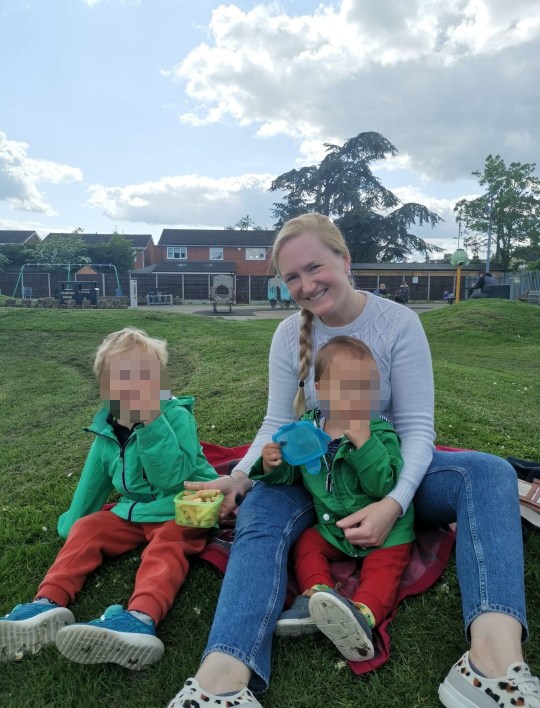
x=222, y=673
x=495, y=643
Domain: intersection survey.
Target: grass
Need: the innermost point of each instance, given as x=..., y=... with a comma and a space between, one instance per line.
x=488, y=397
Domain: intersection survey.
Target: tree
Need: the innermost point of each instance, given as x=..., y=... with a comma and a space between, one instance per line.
x=61, y=248
x=513, y=195
x=343, y=187
x=118, y=251
x=246, y=223
x=4, y=261
x=17, y=253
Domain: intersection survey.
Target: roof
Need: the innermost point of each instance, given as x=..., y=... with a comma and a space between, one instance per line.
x=136, y=240
x=216, y=237
x=474, y=267
x=188, y=267
x=7, y=236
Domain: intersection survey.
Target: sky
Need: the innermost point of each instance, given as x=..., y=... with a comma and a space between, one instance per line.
x=139, y=115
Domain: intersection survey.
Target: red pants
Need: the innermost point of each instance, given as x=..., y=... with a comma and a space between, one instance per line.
x=164, y=561
x=379, y=577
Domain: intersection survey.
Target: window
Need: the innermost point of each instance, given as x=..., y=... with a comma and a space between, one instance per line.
x=216, y=254
x=176, y=252
x=255, y=254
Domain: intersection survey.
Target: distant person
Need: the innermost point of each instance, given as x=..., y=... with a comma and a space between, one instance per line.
x=402, y=293
x=485, y=280
x=383, y=292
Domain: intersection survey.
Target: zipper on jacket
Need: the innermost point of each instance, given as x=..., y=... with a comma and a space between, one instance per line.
x=123, y=458
x=130, y=512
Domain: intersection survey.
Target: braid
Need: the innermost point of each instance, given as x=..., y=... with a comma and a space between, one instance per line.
x=306, y=350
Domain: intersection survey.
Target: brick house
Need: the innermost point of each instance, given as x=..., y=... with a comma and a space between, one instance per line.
x=188, y=257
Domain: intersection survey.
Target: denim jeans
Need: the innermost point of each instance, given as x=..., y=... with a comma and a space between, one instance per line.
x=478, y=491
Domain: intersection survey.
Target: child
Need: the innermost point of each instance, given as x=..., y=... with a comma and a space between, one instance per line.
x=145, y=447
x=361, y=466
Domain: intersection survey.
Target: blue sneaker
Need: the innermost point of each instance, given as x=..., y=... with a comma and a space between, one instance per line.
x=116, y=637
x=296, y=621
x=29, y=627
x=343, y=623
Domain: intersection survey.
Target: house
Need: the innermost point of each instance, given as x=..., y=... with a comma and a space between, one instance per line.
x=249, y=251
x=19, y=238
x=188, y=258
x=143, y=245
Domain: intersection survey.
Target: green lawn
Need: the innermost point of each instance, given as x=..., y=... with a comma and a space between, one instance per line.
x=487, y=369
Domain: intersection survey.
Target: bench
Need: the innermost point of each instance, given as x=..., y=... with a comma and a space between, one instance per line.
x=159, y=299
x=533, y=296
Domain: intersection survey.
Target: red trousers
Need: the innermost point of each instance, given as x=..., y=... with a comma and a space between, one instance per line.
x=380, y=574
x=164, y=561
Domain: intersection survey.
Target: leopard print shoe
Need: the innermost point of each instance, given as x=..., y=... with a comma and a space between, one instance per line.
x=192, y=695
x=464, y=688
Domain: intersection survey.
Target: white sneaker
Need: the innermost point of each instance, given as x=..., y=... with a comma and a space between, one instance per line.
x=191, y=695
x=464, y=688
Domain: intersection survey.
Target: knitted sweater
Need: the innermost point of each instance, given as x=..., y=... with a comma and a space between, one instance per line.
x=398, y=342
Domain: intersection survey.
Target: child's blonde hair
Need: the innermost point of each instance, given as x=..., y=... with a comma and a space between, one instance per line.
x=354, y=347
x=124, y=340
x=332, y=237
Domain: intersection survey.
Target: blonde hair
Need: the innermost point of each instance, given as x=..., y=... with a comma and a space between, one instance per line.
x=124, y=340
x=355, y=347
x=332, y=237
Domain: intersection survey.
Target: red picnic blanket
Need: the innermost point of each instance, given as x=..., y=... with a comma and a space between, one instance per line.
x=430, y=555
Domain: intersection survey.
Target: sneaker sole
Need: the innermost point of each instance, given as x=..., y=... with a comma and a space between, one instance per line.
x=87, y=644
x=20, y=637
x=334, y=619
x=295, y=628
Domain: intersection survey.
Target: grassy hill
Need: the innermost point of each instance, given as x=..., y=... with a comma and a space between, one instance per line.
x=487, y=374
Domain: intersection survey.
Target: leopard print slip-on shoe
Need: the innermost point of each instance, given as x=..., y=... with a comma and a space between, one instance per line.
x=464, y=688
x=191, y=695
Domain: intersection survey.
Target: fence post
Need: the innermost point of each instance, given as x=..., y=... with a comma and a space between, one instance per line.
x=429, y=288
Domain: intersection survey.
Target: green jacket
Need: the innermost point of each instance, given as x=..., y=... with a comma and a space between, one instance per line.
x=147, y=472
x=355, y=479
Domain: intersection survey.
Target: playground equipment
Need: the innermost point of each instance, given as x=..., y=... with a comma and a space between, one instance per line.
x=222, y=291
x=278, y=292
x=68, y=267
x=459, y=259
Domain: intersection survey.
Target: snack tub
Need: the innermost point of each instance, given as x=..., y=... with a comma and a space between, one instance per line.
x=200, y=512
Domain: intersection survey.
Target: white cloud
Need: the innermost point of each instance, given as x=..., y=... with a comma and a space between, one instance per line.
x=20, y=176
x=446, y=83
x=188, y=199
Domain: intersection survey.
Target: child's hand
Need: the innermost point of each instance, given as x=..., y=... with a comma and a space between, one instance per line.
x=271, y=456
x=360, y=434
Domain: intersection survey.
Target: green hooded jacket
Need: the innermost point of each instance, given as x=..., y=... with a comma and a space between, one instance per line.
x=147, y=471
x=354, y=479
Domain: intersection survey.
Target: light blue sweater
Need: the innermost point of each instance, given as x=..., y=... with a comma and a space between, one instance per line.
x=397, y=340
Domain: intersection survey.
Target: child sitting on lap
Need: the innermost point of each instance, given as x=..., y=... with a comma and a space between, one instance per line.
x=145, y=447
x=361, y=466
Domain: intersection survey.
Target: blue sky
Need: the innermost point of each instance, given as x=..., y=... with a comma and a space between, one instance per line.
x=149, y=114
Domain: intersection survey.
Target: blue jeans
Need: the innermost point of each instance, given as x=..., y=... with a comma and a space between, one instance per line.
x=478, y=491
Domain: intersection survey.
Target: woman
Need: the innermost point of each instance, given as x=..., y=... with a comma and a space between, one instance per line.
x=313, y=260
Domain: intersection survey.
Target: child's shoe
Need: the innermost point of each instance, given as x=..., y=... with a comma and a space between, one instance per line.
x=464, y=688
x=116, y=637
x=343, y=624
x=31, y=626
x=296, y=621
x=192, y=695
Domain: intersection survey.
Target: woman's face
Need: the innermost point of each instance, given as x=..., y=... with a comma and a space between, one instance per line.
x=315, y=275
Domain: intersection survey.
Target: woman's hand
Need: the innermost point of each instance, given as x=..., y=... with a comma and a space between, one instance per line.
x=370, y=526
x=229, y=486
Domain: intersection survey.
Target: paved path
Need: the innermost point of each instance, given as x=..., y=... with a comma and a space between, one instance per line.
x=259, y=312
